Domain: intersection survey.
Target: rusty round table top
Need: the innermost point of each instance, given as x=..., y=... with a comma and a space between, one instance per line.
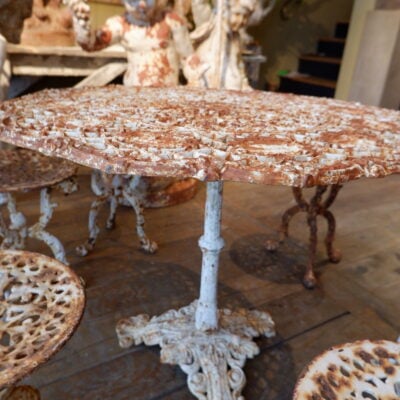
x=41, y=304
x=22, y=169
x=258, y=137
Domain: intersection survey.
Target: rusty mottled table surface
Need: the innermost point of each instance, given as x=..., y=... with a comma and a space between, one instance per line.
x=258, y=137
x=27, y=170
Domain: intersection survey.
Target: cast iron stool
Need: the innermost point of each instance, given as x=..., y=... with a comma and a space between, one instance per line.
x=41, y=304
x=25, y=170
x=363, y=370
x=314, y=208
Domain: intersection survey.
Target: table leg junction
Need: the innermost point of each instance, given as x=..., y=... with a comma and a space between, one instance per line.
x=210, y=345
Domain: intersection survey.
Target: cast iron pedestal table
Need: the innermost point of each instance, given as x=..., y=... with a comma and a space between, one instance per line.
x=210, y=135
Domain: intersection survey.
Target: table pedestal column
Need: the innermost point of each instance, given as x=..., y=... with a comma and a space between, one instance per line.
x=210, y=345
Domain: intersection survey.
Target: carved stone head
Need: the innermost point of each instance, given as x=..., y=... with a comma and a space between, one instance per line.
x=240, y=11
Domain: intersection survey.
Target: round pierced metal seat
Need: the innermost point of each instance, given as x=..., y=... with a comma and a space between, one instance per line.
x=41, y=304
x=22, y=169
x=363, y=370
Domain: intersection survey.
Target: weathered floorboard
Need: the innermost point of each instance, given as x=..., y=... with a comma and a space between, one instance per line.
x=358, y=298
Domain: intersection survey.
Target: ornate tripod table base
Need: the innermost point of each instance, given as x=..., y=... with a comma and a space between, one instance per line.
x=210, y=345
x=313, y=208
x=213, y=360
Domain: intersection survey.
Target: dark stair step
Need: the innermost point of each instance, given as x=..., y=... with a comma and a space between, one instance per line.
x=341, y=30
x=319, y=66
x=309, y=85
x=331, y=47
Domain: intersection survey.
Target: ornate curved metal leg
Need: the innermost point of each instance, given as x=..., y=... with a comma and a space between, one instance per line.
x=309, y=280
x=110, y=224
x=333, y=254
x=286, y=217
x=302, y=205
x=96, y=183
x=38, y=231
x=146, y=244
x=100, y=188
x=4, y=231
x=94, y=230
x=17, y=231
x=314, y=208
x=210, y=345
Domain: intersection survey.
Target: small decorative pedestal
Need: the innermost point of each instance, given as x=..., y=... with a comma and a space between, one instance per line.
x=210, y=345
x=314, y=208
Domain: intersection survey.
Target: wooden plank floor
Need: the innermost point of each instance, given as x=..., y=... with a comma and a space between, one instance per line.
x=358, y=298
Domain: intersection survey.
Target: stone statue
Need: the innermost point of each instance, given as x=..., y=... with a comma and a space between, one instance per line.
x=218, y=44
x=156, y=41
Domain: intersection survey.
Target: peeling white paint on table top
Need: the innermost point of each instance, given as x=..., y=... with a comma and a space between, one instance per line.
x=259, y=137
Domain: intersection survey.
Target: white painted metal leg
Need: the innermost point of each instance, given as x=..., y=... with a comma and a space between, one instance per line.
x=110, y=224
x=94, y=230
x=17, y=230
x=15, y=234
x=130, y=195
x=210, y=345
x=38, y=231
x=211, y=244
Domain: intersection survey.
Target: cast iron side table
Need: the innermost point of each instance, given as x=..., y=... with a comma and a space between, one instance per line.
x=210, y=135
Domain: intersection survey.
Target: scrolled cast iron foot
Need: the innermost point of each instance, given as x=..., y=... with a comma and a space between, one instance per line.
x=148, y=246
x=213, y=360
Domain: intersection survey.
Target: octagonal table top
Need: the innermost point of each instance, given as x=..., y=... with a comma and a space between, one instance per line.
x=259, y=137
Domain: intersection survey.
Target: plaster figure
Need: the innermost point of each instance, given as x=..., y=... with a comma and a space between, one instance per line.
x=218, y=43
x=156, y=41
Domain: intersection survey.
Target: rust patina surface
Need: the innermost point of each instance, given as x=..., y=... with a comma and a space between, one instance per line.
x=360, y=370
x=257, y=137
x=27, y=170
x=41, y=304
